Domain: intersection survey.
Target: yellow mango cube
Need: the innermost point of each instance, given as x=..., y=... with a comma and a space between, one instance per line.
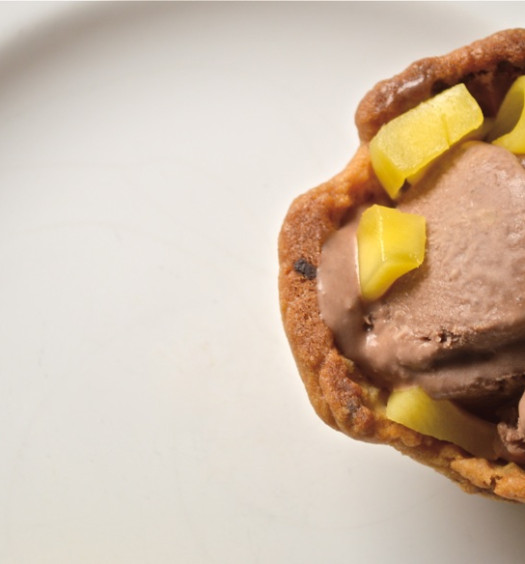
x=443, y=420
x=390, y=243
x=409, y=142
x=509, y=127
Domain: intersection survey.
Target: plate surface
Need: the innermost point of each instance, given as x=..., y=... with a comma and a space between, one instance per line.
x=149, y=405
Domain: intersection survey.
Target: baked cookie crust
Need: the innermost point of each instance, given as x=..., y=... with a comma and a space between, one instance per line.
x=340, y=393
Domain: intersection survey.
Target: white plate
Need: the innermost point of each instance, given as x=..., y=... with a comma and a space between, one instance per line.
x=150, y=411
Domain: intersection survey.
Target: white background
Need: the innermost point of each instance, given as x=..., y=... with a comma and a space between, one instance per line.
x=150, y=410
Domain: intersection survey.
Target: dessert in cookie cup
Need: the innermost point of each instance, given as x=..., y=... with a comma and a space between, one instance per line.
x=402, y=278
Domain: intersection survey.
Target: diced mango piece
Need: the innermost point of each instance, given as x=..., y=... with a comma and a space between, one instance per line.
x=443, y=420
x=409, y=142
x=509, y=127
x=390, y=243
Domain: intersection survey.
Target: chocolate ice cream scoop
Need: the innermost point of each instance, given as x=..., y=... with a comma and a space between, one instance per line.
x=456, y=325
